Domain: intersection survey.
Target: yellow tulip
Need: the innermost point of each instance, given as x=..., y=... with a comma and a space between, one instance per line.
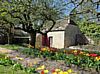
x=75, y=51
x=61, y=72
x=97, y=58
x=46, y=71
x=38, y=68
x=54, y=73
x=57, y=70
x=87, y=54
x=19, y=58
x=65, y=73
x=81, y=52
x=41, y=67
x=69, y=70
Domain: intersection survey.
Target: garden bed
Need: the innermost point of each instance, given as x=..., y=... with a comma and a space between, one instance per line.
x=50, y=60
x=81, y=61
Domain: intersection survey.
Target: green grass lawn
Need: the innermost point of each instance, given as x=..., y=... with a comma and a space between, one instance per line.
x=9, y=70
x=12, y=47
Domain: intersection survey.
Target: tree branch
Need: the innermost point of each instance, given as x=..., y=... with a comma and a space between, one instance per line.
x=51, y=26
x=77, y=6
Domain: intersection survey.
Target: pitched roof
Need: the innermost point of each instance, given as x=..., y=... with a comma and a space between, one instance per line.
x=61, y=24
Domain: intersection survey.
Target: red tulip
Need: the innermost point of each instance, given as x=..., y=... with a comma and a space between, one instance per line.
x=42, y=72
x=93, y=55
x=53, y=70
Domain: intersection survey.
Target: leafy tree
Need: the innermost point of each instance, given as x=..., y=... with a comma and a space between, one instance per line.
x=39, y=16
x=86, y=10
x=6, y=29
x=32, y=15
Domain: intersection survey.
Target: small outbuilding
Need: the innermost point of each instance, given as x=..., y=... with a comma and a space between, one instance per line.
x=64, y=34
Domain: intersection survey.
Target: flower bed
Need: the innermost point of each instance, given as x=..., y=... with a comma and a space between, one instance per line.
x=15, y=66
x=77, y=58
x=42, y=70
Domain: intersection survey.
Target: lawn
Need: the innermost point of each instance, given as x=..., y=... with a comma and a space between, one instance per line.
x=12, y=47
x=9, y=70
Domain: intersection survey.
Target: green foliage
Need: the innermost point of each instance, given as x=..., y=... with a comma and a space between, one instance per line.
x=9, y=70
x=32, y=13
x=15, y=66
x=90, y=29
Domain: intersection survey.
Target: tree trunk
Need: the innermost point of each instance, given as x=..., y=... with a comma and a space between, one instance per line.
x=32, y=38
x=8, y=38
x=45, y=41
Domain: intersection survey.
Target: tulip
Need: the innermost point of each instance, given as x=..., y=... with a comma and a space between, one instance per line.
x=97, y=58
x=81, y=52
x=53, y=70
x=19, y=58
x=61, y=72
x=41, y=67
x=75, y=51
x=65, y=73
x=57, y=70
x=87, y=54
x=93, y=55
x=54, y=73
x=69, y=70
x=42, y=72
x=46, y=71
x=43, y=49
